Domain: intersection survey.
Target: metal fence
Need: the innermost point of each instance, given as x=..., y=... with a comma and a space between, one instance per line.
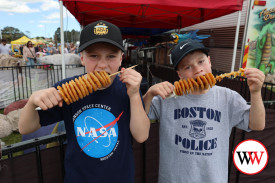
x=18, y=82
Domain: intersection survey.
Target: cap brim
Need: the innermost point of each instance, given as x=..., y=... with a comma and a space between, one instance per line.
x=104, y=40
x=205, y=50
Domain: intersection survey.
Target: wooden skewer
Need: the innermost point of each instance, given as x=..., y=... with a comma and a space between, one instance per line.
x=120, y=71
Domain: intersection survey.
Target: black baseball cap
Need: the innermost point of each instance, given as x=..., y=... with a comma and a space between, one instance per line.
x=184, y=48
x=100, y=31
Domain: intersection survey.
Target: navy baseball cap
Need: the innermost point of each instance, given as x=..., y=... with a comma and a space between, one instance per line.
x=184, y=48
x=100, y=31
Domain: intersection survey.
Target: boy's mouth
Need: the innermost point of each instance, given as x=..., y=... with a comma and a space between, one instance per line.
x=105, y=71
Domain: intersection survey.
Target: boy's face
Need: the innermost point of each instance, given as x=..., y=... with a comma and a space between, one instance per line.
x=194, y=64
x=101, y=56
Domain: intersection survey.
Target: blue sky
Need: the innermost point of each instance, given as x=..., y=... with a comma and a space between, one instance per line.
x=39, y=17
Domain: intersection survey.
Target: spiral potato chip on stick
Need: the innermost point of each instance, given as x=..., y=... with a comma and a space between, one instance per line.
x=82, y=86
x=186, y=86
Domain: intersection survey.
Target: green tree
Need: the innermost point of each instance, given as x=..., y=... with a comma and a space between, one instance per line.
x=42, y=37
x=28, y=33
x=57, y=35
x=69, y=36
x=11, y=33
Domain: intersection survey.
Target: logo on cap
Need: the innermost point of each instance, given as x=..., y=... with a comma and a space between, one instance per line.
x=101, y=29
x=184, y=45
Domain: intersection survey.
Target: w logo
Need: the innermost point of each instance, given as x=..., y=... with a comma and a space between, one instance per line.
x=250, y=157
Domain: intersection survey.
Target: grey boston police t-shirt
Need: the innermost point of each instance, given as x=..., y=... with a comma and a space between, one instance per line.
x=194, y=134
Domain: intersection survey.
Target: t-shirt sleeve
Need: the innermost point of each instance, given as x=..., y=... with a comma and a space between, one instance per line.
x=239, y=112
x=154, y=112
x=50, y=116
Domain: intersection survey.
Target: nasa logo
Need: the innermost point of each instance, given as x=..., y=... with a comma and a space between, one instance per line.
x=96, y=132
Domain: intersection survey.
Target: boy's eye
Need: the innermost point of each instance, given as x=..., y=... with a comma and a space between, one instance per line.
x=187, y=68
x=201, y=61
x=94, y=56
x=112, y=56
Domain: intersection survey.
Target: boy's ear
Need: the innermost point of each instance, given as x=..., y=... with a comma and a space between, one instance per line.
x=122, y=56
x=209, y=60
x=81, y=59
x=179, y=74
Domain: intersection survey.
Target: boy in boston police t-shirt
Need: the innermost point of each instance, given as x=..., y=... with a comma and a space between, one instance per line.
x=195, y=128
x=100, y=126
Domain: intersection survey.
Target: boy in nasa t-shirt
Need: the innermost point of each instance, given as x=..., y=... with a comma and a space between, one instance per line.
x=100, y=126
x=195, y=128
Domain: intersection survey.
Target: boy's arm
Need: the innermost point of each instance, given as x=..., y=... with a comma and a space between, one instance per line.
x=29, y=120
x=163, y=89
x=257, y=113
x=255, y=79
x=139, y=121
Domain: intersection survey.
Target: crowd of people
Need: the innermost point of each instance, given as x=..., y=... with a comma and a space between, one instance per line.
x=31, y=53
x=100, y=128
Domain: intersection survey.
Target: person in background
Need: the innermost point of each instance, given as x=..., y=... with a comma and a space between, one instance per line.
x=51, y=49
x=29, y=54
x=72, y=48
x=36, y=48
x=195, y=128
x=45, y=49
x=40, y=53
x=65, y=48
x=4, y=48
x=100, y=127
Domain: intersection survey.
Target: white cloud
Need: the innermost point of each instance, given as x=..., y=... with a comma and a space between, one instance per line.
x=49, y=5
x=40, y=26
x=31, y=21
x=28, y=1
x=55, y=15
x=16, y=6
x=49, y=21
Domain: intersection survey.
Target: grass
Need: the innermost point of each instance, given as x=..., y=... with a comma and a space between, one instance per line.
x=11, y=139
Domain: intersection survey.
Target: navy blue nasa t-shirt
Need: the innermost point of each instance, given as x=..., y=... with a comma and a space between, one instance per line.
x=99, y=145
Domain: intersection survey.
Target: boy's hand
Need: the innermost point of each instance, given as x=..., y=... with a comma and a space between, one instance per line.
x=163, y=89
x=255, y=79
x=46, y=99
x=132, y=79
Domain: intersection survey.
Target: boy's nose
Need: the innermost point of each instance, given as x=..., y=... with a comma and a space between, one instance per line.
x=102, y=63
x=197, y=70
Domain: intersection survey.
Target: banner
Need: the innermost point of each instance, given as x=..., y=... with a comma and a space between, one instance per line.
x=259, y=50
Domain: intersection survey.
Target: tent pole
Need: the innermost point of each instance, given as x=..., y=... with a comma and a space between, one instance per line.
x=249, y=7
x=236, y=41
x=62, y=39
x=0, y=33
